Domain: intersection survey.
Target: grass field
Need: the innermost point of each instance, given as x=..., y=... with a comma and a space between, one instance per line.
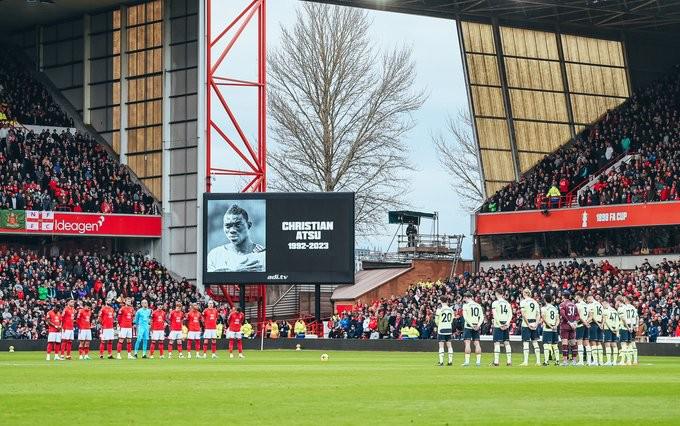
x=358, y=388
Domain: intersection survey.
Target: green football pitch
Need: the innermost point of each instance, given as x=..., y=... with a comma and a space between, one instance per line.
x=353, y=388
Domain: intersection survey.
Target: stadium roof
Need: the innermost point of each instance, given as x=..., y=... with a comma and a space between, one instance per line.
x=648, y=15
x=577, y=15
x=365, y=281
x=19, y=14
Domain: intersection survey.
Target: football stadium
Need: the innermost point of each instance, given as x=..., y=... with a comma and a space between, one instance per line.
x=246, y=211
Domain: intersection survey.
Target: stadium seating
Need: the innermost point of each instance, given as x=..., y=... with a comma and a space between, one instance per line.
x=634, y=241
x=654, y=290
x=22, y=99
x=65, y=172
x=29, y=283
x=647, y=124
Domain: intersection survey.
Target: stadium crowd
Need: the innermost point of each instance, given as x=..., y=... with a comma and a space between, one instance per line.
x=29, y=283
x=653, y=175
x=22, y=99
x=654, y=290
x=62, y=171
x=648, y=123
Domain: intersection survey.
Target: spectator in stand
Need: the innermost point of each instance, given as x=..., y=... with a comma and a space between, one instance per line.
x=554, y=196
x=284, y=329
x=273, y=329
x=564, y=185
x=608, y=152
x=300, y=328
x=653, y=331
x=625, y=143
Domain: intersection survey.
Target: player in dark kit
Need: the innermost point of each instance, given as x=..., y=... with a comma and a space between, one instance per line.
x=568, y=319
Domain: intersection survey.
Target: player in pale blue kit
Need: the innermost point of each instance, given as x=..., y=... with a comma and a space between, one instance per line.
x=444, y=322
x=142, y=321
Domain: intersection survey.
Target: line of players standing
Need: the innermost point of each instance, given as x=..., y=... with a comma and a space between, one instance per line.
x=150, y=325
x=588, y=329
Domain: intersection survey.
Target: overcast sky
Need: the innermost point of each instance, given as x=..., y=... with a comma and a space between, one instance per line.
x=440, y=73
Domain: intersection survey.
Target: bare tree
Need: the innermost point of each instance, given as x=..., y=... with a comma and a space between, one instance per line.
x=459, y=156
x=340, y=108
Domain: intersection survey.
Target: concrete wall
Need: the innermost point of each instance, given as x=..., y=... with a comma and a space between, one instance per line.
x=180, y=144
x=62, y=59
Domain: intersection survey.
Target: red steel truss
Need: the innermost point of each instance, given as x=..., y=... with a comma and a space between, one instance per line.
x=253, y=157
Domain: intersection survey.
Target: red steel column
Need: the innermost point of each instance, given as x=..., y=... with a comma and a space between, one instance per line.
x=254, y=159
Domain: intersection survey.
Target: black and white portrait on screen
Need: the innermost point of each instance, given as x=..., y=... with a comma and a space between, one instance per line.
x=236, y=236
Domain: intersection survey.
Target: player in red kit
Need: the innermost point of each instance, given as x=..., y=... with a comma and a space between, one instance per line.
x=67, y=318
x=568, y=319
x=210, y=315
x=176, y=320
x=125, y=316
x=83, y=319
x=236, y=318
x=158, y=329
x=194, y=325
x=106, y=316
x=54, y=332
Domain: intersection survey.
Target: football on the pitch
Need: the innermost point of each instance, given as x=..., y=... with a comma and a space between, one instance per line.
x=298, y=347
x=11, y=348
x=324, y=357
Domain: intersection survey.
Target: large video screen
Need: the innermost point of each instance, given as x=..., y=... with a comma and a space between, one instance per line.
x=278, y=238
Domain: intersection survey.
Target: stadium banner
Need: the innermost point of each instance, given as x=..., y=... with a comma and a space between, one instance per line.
x=278, y=238
x=582, y=218
x=12, y=219
x=79, y=224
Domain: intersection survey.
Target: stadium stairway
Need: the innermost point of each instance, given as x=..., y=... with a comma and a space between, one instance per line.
x=592, y=178
x=298, y=299
x=624, y=159
x=289, y=302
